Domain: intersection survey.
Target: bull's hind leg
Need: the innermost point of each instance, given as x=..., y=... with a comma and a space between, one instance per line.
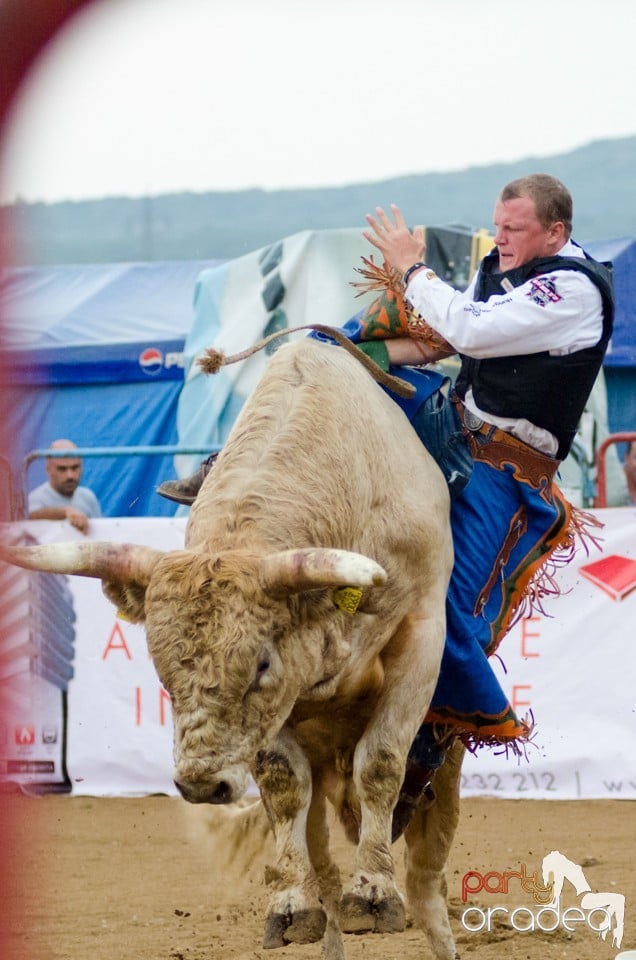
x=295, y=913
x=411, y=665
x=327, y=872
x=429, y=837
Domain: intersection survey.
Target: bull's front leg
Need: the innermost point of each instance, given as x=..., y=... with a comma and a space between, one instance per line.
x=295, y=913
x=411, y=665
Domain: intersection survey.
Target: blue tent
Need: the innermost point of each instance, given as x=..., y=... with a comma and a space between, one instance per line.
x=620, y=360
x=94, y=353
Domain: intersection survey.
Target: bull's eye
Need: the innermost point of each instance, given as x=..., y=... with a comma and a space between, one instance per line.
x=263, y=667
x=266, y=671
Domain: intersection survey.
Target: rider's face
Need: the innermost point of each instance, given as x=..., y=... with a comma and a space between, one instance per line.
x=519, y=234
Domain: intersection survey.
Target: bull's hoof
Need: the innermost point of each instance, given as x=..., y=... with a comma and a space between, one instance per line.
x=307, y=926
x=304, y=926
x=391, y=916
x=358, y=915
x=275, y=926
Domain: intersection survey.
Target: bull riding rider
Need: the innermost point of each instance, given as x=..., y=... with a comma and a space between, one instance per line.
x=531, y=332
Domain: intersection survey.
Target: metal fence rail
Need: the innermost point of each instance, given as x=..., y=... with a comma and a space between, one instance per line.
x=601, y=471
x=6, y=479
x=16, y=495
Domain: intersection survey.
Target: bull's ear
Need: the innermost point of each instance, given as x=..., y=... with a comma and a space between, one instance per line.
x=128, y=598
x=292, y=571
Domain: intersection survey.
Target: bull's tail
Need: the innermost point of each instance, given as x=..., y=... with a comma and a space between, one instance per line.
x=212, y=360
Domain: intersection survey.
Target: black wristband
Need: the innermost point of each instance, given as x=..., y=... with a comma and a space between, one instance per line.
x=411, y=270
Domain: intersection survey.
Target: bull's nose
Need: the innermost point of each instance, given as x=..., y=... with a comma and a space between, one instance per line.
x=182, y=790
x=220, y=793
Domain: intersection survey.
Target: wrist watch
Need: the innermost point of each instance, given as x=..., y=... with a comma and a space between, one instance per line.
x=411, y=270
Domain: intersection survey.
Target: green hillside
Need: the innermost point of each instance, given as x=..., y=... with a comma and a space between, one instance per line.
x=188, y=226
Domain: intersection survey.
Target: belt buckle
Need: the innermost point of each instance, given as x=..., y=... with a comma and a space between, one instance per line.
x=472, y=421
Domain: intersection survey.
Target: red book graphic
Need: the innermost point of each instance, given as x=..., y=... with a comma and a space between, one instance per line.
x=614, y=574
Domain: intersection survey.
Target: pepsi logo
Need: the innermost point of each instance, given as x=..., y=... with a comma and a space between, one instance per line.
x=151, y=361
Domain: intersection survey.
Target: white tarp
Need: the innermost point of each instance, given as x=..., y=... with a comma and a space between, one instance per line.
x=305, y=278
x=573, y=669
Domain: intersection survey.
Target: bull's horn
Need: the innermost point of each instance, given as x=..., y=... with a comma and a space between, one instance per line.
x=292, y=571
x=115, y=562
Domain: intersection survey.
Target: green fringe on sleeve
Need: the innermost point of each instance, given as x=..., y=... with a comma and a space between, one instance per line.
x=376, y=349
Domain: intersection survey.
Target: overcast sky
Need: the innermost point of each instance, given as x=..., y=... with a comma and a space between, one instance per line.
x=153, y=96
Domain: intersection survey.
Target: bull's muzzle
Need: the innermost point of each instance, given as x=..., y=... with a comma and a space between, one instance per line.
x=225, y=786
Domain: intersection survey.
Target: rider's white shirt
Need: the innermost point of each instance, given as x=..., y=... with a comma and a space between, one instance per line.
x=560, y=312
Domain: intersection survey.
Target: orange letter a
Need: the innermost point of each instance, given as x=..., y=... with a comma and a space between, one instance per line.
x=121, y=645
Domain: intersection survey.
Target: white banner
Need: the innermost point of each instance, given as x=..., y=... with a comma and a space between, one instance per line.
x=574, y=669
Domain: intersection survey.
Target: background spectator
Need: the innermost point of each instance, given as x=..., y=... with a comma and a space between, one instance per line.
x=61, y=497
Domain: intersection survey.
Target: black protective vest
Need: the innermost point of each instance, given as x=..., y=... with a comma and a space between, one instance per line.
x=550, y=392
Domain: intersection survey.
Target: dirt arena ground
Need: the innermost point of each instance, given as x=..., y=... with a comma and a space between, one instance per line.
x=146, y=879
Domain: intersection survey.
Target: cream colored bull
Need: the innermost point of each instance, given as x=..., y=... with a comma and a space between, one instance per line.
x=322, y=490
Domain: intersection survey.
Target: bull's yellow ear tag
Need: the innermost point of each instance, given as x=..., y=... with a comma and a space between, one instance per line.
x=347, y=599
x=120, y=615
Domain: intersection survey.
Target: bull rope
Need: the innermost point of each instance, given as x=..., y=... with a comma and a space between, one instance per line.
x=212, y=360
